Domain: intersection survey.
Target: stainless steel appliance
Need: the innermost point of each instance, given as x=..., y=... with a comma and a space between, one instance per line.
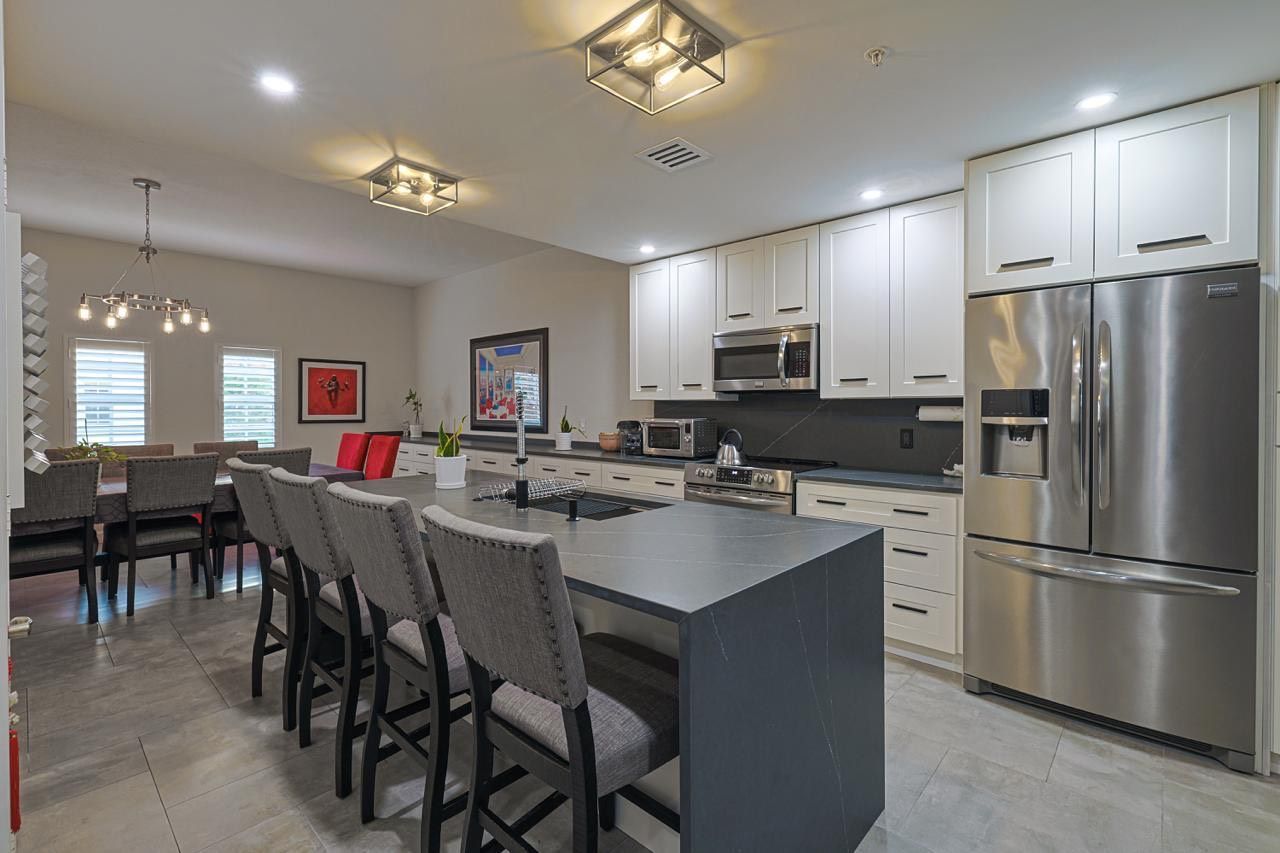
x=687, y=438
x=781, y=359
x=767, y=484
x=1111, y=509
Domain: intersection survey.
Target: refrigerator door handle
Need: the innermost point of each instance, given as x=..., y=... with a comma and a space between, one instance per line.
x=1134, y=581
x=1102, y=414
x=1078, y=415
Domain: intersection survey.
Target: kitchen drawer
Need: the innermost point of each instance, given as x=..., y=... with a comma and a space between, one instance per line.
x=567, y=469
x=921, y=560
x=409, y=468
x=644, y=480
x=488, y=460
x=899, y=508
x=921, y=617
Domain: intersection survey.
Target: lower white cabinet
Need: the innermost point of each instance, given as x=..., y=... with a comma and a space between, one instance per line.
x=643, y=480
x=921, y=554
x=560, y=468
x=415, y=459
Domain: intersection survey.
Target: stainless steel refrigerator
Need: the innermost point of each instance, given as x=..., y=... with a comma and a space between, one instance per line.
x=1112, y=443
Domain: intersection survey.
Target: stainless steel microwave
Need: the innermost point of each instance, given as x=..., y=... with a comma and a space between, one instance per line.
x=781, y=359
x=686, y=438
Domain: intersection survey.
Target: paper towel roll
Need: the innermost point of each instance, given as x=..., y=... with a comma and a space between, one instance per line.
x=940, y=413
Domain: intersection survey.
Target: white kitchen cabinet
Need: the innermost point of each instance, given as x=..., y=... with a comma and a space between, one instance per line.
x=740, y=300
x=1030, y=214
x=567, y=468
x=791, y=277
x=692, y=324
x=657, y=481
x=854, y=333
x=1178, y=189
x=926, y=298
x=651, y=331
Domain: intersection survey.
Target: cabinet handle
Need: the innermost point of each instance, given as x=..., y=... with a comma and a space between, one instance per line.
x=1030, y=263
x=739, y=316
x=549, y=468
x=690, y=384
x=648, y=387
x=1174, y=243
x=623, y=479
x=829, y=503
x=919, y=610
x=789, y=309
x=909, y=551
x=856, y=379
x=487, y=462
x=910, y=511
x=662, y=483
x=930, y=376
x=582, y=473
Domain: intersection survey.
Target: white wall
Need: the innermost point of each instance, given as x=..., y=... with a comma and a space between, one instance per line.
x=581, y=299
x=306, y=315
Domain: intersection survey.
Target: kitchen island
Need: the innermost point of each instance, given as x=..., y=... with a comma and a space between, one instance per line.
x=777, y=624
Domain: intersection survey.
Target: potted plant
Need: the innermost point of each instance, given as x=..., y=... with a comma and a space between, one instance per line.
x=451, y=462
x=414, y=402
x=564, y=438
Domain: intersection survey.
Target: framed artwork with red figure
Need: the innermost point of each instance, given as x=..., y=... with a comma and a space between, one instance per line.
x=330, y=391
x=501, y=366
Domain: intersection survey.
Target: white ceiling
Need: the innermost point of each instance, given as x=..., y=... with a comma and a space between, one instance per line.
x=493, y=91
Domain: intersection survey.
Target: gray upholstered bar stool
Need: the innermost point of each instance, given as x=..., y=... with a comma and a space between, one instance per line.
x=587, y=716
x=229, y=527
x=420, y=647
x=336, y=611
x=257, y=501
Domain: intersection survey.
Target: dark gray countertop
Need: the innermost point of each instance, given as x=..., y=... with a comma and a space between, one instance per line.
x=592, y=452
x=886, y=479
x=669, y=562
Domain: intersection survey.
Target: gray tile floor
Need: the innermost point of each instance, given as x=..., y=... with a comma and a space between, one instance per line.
x=141, y=735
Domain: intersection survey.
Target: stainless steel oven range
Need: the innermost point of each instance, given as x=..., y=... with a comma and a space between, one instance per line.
x=767, y=484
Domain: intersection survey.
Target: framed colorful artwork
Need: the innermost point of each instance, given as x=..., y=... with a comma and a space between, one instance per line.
x=330, y=391
x=502, y=365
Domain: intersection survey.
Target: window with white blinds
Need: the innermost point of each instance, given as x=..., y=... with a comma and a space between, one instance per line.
x=249, y=384
x=110, y=391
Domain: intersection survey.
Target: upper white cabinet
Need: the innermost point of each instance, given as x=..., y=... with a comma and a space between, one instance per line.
x=740, y=286
x=854, y=334
x=926, y=289
x=1179, y=189
x=1031, y=215
x=651, y=331
x=791, y=277
x=693, y=311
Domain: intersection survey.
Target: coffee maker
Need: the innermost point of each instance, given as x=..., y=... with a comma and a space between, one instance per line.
x=632, y=438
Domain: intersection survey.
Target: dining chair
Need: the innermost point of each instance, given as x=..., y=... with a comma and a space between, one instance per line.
x=229, y=527
x=587, y=716
x=115, y=469
x=381, y=461
x=352, y=449
x=336, y=611
x=53, y=531
x=256, y=497
x=225, y=450
x=169, y=502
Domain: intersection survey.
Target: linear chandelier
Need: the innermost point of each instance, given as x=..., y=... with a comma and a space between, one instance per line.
x=120, y=302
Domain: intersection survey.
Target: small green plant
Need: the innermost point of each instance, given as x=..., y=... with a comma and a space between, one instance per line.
x=94, y=450
x=565, y=426
x=449, y=443
x=414, y=402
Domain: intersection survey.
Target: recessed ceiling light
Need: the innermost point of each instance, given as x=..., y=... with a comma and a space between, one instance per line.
x=647, y=249
x=276, y=84
x=871, y=195
x=1094, y=102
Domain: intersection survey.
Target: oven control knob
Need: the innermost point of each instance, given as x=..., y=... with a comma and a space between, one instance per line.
x=768, y=478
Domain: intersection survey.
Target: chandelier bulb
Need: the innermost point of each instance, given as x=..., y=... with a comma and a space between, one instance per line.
x=204, y=322
x=111, y=321
x=168, y=323
x=84, y=312
x=122, y=310
x=185, y=317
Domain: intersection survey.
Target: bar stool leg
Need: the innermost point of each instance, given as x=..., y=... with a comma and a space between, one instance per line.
x=308, y=677
x=133, y=564
x=260, y=633
x=373, y=734
x=295, y=647
x=351, y=646
x=482, y=764
x=438, y=740
x=582, y=772
x=87, y=574
x=608, y=812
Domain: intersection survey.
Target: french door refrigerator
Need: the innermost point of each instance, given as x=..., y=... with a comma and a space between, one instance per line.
x=1111, y=508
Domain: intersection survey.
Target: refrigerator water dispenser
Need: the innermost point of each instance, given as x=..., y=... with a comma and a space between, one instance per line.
x=1015, y=433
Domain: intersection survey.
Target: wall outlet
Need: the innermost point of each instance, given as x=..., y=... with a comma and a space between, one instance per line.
x=906, y=439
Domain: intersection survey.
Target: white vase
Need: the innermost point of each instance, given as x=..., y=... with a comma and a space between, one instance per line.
x=451, y=472
x=564, y=441
x=415, y=430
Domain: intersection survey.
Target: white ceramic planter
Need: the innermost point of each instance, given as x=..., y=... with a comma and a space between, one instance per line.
x=451, y=472
x=415, y=430
x=564, y=441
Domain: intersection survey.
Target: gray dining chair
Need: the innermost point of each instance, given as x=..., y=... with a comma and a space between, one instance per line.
x=336, y=611
x=169, y=502
x=229, y=527
x=256, y=498
x=588, y=716
x=53, y=531
x=115, y=469
x=225, y=450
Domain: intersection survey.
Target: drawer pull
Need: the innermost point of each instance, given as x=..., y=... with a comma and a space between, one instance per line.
x=487, y=462
x=1028, y=264
x=1174, y=243
x=930, y=376
x=549, y=468
x=740, y=316
x=829, y=503
x=909, y=608
x=662, y=483
x=580, y=473
x=619, y=477
x=901, y=511
x=909, y=551
x=690, y=384
x=648, y=387
x=789, y=309
x=855, y=379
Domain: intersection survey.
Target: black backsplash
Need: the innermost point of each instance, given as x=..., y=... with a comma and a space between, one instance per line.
x=851, y=433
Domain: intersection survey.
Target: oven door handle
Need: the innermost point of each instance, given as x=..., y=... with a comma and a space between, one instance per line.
x=725, y=496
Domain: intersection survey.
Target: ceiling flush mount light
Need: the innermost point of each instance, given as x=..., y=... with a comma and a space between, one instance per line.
x=1097, y=101
x=276, y=84
x=870, y=195
x=120, y=302
x=654, y=56
x=647, y=249
x=413, y=187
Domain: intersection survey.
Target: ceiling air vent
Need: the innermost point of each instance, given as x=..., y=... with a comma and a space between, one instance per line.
x=673, y=155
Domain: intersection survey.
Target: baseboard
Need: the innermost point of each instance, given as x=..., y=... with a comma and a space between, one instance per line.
x=942, y=660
